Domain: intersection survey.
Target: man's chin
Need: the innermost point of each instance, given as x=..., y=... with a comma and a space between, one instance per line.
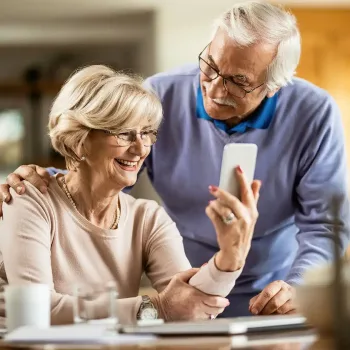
x=221, y=114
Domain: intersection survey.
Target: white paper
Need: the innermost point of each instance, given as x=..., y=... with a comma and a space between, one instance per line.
x=87, y=333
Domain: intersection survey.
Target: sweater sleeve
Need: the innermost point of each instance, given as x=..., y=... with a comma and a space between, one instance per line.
x=322, y=181
x=25, y=243
x=166, y=257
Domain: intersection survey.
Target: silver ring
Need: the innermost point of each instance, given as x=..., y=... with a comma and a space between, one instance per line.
x=228, y=219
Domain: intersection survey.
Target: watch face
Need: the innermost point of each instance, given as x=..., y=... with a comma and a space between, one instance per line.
x=149, y=313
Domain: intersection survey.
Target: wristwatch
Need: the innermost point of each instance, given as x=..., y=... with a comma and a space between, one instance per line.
x=147, y=311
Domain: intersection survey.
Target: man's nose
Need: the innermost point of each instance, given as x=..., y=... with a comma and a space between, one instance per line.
x=216, y=87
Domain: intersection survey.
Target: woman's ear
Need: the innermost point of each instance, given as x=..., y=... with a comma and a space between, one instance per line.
x=84, y=147
x=81, y=153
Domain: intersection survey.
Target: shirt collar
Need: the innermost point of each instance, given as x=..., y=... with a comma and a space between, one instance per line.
x=260, y=118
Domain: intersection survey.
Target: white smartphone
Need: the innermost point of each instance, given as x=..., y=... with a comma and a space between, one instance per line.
x=234, y=155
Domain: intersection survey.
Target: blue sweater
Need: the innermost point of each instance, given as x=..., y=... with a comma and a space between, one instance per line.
x=301, y=163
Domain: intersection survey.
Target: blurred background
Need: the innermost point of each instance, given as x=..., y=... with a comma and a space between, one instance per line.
x=42, y=42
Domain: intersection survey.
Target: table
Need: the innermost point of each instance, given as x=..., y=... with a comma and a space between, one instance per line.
x=292, y=340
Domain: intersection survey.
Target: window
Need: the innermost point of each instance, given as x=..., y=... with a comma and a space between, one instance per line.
x=11, y=140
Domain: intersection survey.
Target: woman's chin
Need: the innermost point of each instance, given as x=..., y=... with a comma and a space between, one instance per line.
x=125, y=176
x=131, y=183
x=125, y=181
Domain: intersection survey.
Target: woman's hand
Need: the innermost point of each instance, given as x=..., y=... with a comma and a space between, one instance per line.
x=181, y=302
x=234, y=221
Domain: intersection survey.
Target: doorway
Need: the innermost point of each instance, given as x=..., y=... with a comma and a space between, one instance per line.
x=325, y=58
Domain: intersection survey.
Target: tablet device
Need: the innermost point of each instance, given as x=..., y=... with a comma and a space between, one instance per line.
x=222, y=326
x=234, y=155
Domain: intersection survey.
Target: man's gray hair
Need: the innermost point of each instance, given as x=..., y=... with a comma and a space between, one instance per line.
x=250, y=22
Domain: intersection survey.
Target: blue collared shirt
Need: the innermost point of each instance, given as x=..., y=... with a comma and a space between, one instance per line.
x=260, y=118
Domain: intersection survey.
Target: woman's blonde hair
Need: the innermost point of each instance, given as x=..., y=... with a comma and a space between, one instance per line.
x=97, y=97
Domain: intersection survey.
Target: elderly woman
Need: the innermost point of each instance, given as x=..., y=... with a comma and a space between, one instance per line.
x=86, y=230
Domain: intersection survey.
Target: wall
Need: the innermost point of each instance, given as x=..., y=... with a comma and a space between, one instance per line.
x=182, y=27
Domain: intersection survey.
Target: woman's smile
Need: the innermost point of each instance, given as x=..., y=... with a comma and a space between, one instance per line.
x=126, y=165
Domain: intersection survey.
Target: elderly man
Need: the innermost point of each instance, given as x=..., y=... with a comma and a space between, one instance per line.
x=243, y=91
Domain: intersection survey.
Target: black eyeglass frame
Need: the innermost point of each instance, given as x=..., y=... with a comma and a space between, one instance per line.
x=224, y=79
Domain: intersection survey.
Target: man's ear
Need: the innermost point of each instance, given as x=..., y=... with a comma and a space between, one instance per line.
x=272, y=93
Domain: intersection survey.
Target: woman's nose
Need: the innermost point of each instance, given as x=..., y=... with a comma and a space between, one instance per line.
x=137, y=147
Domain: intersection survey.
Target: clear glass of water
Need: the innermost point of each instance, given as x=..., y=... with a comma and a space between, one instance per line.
x=96, y=303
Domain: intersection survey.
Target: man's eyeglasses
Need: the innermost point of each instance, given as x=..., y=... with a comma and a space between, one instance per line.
x=230, y=86
x=127, y=137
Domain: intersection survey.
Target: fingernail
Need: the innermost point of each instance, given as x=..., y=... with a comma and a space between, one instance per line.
x=228, y=303
x=213, y=188
x=254, y=311
x=43, y=189
x=19, y=189
x=239, y=169
x=204, y=264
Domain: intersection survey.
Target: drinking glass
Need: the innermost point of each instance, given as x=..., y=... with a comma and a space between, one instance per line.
x=96, y=303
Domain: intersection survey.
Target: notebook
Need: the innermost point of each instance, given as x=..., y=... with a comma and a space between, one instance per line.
x=75, y=334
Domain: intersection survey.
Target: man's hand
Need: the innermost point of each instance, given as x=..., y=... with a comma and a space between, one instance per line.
x=34, y=174
x=276, y=298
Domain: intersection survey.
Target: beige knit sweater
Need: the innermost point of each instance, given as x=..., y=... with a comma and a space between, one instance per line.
x=43, y=239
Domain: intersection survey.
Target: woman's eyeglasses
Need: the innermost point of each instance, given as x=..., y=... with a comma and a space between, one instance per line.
x=127, y=137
